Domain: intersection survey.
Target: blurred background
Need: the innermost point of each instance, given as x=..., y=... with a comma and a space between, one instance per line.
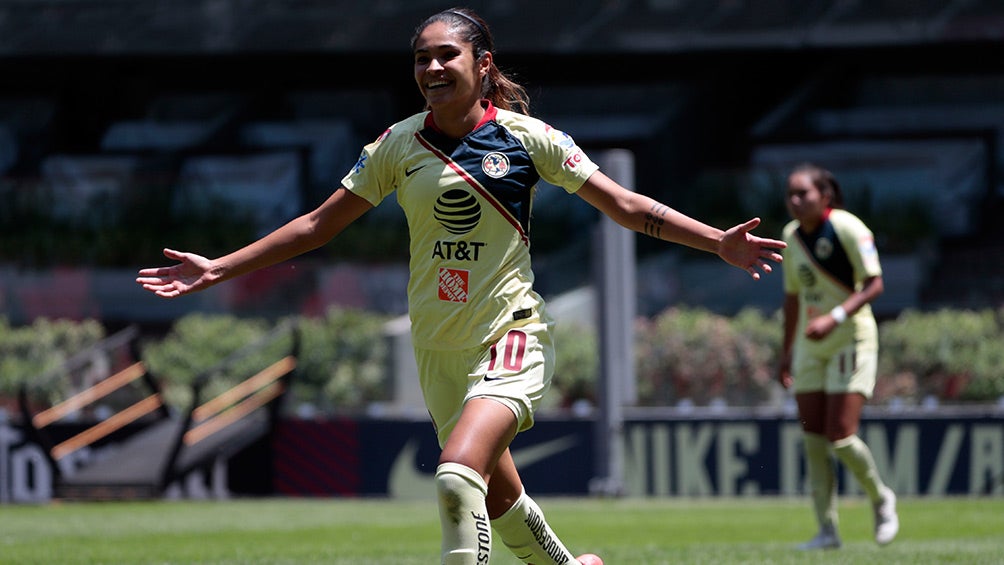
x=130, y=126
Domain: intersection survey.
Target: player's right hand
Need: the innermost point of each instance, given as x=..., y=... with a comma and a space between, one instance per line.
x=784, y=374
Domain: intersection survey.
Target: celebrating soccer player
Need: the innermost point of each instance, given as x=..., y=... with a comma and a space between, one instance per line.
x=464, y=171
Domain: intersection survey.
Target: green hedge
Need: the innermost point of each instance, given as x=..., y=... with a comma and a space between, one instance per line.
x=948, y=354
x=30, y=353
x=342, y=360
x=199, y=342
x=683, y=355
x=687, y=354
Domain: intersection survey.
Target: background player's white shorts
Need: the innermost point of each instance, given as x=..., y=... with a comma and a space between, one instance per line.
x=515, y=370
x=851, y=369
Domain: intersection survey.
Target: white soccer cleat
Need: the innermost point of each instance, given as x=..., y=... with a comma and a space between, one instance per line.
x=827, y=538
x=886, y=519
x=589, y=559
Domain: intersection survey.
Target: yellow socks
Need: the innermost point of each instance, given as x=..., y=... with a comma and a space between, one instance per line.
x=467, y=534
x=822, y=479
x=856, y=456
x=525, y=532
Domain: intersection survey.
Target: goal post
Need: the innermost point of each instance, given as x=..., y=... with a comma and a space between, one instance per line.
x=615, y=266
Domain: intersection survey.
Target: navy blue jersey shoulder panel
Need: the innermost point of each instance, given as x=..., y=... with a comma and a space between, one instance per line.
x=513, y=190
x=829, y=253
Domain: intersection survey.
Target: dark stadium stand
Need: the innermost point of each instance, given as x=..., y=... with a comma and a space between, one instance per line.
x=106, y=103
x=110, y=27
x=934, y=138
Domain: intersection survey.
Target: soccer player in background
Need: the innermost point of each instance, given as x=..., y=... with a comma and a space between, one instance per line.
x=830, y=347
x=464, y=171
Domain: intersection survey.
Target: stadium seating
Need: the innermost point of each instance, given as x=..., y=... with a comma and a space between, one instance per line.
x=267, y=106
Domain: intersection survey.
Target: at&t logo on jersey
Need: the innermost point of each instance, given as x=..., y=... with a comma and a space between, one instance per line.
x=495, y=165
x=806, y=275
x=459, y=212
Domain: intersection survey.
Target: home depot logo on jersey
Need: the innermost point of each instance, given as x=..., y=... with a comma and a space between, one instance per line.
x=454, y=284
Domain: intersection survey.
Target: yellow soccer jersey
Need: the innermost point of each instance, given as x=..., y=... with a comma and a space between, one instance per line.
x=468, y=204
x=824, y=268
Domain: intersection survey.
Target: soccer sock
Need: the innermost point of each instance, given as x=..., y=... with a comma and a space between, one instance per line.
x=822, y=479
x=467, y=537
x=526, y=533
x=856, y=456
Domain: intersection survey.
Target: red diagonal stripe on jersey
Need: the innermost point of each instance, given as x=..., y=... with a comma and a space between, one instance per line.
x=476, y=186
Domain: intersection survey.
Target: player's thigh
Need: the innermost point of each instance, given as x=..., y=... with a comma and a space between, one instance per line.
x=481, y=436
x=843, y=414
x=812, y=411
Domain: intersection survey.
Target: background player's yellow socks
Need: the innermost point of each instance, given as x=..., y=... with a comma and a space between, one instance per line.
x=856, y=456
x=467, y=536
x=822, y=479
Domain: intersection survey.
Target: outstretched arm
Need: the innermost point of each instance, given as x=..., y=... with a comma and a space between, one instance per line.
x=309, y=231
x=736, y=246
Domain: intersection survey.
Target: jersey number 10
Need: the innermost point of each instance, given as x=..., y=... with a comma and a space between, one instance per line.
x=513, y=347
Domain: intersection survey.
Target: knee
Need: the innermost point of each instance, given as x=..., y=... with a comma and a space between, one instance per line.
x=845, y=441
x=813, y=423
x=840, y=431
x=452, y=479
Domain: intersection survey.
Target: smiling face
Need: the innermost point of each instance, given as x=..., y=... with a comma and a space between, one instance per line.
x=805, y=201
x=447, y=74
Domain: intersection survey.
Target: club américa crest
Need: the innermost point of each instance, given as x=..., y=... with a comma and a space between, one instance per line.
x=495, y=165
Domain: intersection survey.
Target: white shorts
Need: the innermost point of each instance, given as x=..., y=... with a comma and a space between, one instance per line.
x=852, y=369
x=515, y=370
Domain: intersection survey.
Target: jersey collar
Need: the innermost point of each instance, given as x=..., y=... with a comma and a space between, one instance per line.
x=490, y=113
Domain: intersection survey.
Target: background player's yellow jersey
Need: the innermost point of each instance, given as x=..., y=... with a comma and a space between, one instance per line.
x=824, y=268
x=468, y=205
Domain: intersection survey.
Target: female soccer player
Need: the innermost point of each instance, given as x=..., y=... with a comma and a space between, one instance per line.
x=464, y=171
x=830, y=351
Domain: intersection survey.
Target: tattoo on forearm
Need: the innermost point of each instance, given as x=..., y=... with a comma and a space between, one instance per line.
x=654, y=220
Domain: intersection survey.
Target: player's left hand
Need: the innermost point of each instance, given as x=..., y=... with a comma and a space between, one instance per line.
x=191, y=274
x=751, y=253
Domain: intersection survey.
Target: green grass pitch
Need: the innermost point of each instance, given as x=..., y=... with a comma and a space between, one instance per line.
x=377, y=532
